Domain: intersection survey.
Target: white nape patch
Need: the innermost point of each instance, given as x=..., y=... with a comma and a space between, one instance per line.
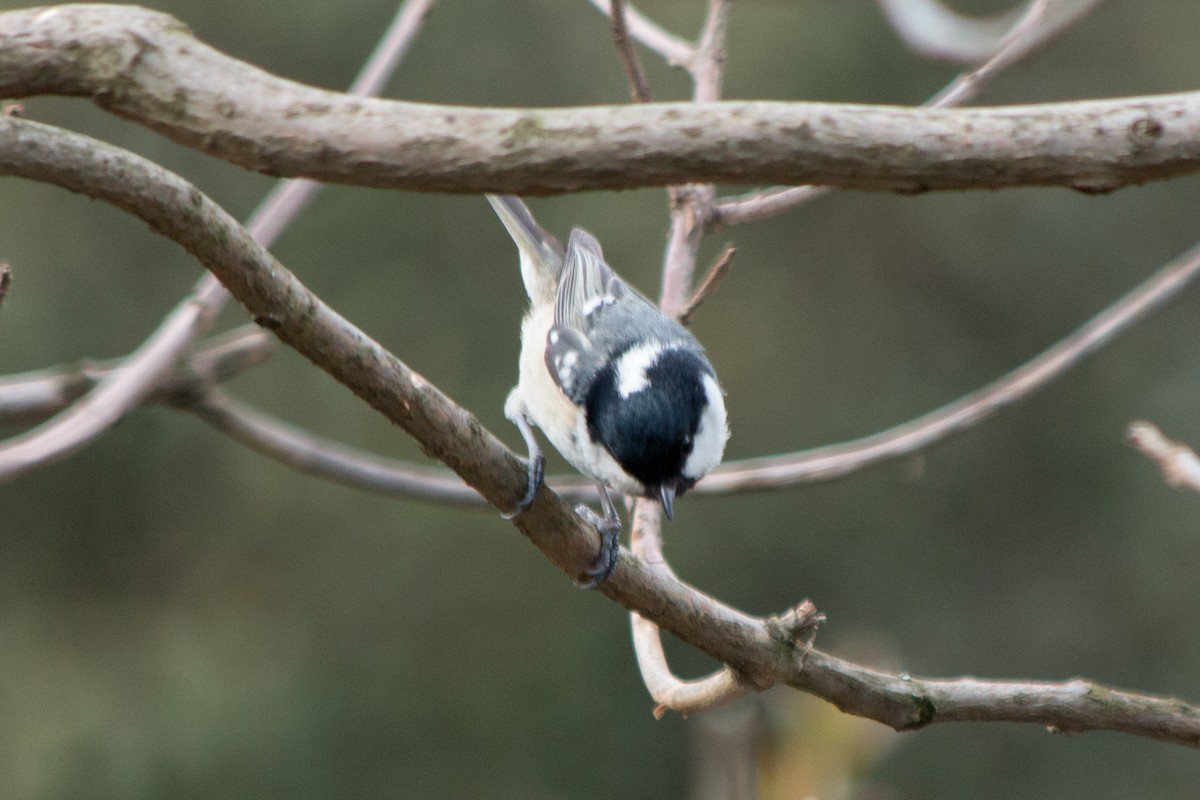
x=709, y=446
x=633, y=365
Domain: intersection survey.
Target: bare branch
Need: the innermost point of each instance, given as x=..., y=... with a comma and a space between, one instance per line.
x=1179, y=464
x=712, y=280
x=1042, y=20
x=692, y=205
x=905, y=702
x=668, y=691
x=142, y=65
x=825, y=463
x=674, y=50
x=116, y=394
x=326, y=459
x=639, y=89
x=932, y=29
x=762, y=651
x=31, y=397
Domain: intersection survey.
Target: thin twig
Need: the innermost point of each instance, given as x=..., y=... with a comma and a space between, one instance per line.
x=1179, y=463
x=709, y=284
x=692, y=204
x=114, y=396
x=1030, y=30
x=675, y=51
x=639, y=88
x=326, y=459
x=32, y=397
x=762, y=651
x=825, y=463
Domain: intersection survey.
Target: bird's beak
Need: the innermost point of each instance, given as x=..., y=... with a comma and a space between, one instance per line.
x=666, y=494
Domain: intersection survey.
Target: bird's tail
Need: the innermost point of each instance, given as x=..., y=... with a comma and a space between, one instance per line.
x=541, y=253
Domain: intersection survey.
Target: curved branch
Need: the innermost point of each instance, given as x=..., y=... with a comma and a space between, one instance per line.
x=326, y=459
x=146, y=67
x=761, y=650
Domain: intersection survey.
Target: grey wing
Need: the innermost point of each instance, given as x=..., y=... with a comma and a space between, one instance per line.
x=585, y=285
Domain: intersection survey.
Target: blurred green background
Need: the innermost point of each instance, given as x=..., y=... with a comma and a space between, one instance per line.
x=182, y=618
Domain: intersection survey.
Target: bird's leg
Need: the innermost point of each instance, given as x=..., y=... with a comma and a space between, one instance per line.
x=535, y=466
x=609, y=528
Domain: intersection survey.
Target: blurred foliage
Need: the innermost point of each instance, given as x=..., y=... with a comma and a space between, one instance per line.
x=182, y=618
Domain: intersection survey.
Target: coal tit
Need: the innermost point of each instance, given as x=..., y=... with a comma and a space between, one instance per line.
x=622, y=391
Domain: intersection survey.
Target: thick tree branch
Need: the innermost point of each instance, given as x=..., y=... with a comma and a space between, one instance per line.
x=146, y=67
x=759, y=649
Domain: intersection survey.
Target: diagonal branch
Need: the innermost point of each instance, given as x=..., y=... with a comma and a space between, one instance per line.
x=639, y=88
x=760, y=650
x=932, y=29
x=146, y=67
x=1041, y=20
x=826, y=463
x=674, y=50
x=119, y=392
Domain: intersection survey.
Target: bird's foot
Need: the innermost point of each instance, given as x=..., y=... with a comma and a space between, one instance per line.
x=609, y=528
x=535, y=473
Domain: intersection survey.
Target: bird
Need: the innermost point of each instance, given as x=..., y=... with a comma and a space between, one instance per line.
x=626, y=394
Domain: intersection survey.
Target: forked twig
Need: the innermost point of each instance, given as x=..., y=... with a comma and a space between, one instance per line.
x=712, y=279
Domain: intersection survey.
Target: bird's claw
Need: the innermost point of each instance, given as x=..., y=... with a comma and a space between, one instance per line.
x=535, y=473
x=610, y=547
